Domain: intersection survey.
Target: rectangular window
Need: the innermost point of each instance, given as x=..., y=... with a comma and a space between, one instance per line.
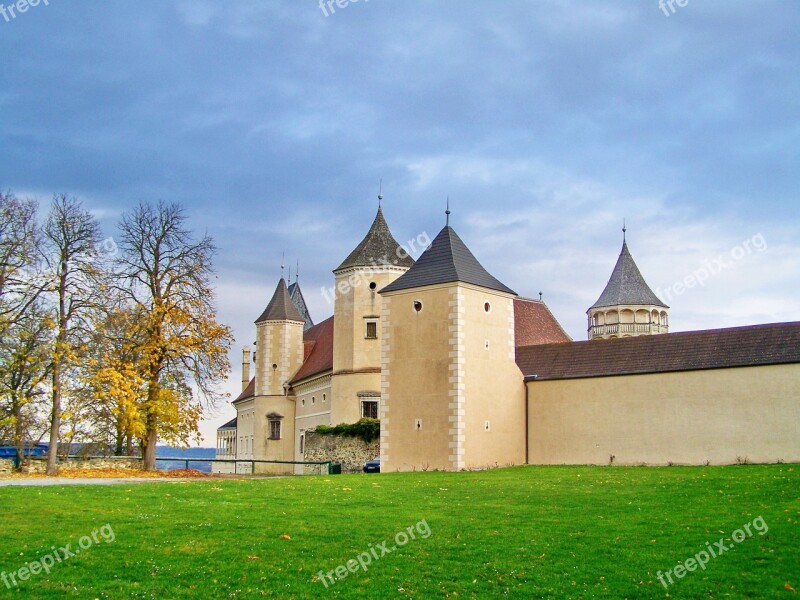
x=275, y=430
x=372, y=330
x=369, y=409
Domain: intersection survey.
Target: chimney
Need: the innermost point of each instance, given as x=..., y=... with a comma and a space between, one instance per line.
x=245, y=367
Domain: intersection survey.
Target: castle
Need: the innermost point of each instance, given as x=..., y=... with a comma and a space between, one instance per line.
x=463, y=373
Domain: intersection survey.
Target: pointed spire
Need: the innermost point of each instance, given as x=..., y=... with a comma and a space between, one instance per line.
x=447, y=213
x=624, y=230
x=627, y=286
x=283, y=260
x=447, y=260
x=281, y=307
x=380, y=192
x=297, y=272
x=377, y=248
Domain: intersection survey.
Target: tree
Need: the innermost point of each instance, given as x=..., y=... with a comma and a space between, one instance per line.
x=24, y=369
x=165, y=274
x=24, y=324
x=19, y=256
x=71, y=237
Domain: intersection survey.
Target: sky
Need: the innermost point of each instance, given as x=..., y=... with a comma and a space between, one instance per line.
x=546, y=123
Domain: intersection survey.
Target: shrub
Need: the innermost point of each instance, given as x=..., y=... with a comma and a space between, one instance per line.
x=366, y=429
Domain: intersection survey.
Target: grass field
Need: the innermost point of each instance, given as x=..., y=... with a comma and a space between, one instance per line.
x=529, y=532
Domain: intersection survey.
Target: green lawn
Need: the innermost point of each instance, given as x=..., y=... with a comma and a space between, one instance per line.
x=529, y=532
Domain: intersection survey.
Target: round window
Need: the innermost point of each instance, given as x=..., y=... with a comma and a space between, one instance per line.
x=417, y=305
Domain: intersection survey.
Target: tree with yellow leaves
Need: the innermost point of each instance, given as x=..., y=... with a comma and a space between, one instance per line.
x=164, y=274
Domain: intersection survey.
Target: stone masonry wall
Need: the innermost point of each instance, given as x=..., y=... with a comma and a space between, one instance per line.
x=39, y=465
x=351, y=452
x=6, y=466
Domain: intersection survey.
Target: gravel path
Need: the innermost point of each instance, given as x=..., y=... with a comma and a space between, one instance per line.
x=36, y=482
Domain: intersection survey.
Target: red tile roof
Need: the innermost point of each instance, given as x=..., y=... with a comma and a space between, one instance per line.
x=535, y=324
x=771, y=344
x=248, y=392
x=318, y=350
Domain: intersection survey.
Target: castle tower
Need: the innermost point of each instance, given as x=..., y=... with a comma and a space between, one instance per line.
x=264, y=412
x=279, y=335
x=374, y=263
x=627, y=307
x=452, y=396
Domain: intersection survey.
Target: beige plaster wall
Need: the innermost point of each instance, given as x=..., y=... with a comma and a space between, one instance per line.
x=494, y=389
x=451, y=367
x=280, y=343
x=415, y=385
x=690, y=417
x=354, y=300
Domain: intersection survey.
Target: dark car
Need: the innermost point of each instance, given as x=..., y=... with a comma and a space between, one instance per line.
x=373, y=466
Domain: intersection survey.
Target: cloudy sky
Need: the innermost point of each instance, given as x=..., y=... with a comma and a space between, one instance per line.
x=547, y=123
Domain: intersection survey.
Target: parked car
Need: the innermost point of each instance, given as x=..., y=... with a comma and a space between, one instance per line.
x=373, y=466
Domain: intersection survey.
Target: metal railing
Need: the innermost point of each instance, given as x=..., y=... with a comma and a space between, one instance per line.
x=252, y=462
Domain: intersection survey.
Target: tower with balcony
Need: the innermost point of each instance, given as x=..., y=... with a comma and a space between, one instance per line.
x=627, y=307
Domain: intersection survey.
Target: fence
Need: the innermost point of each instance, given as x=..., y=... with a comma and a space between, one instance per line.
x=331, y=468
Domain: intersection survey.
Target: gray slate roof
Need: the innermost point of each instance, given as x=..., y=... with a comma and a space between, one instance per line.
x=229, y=425
x=300, y=304
x=377, y=248
x=447, y=260
x=626, y=285
x=281, y=307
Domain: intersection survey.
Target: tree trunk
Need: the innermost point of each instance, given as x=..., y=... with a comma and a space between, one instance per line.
x=55, y=421
x=149, y=450
x=151, y=435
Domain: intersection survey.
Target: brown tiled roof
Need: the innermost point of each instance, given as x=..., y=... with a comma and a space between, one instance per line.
x=319, y=357
x=280, y=307
x=772, y=344
x=534, y=324
x=248, y=392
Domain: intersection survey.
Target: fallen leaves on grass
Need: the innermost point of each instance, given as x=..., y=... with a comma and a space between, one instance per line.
x=285, y=536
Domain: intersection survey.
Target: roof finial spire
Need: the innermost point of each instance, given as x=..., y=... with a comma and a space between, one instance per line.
x=624, y=230
x=297, y=272
x=447, y=212
x=290, y=274
x=540, y=296
x=380, y=192
x=283, y=260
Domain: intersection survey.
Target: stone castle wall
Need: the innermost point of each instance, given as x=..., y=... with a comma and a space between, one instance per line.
x=39, y=465
x=351, y=452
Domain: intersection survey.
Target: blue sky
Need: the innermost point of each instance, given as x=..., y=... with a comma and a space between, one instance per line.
x=545, y=122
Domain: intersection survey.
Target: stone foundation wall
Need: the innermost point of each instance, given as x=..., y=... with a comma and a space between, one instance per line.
x=351, y=452
x=6, y=466
x=39, y=465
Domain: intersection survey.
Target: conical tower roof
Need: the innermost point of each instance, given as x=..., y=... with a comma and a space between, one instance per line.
x=281, y=307
x=447, y=260
x=626, y=285
x=300, y=304
x=377, y=248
